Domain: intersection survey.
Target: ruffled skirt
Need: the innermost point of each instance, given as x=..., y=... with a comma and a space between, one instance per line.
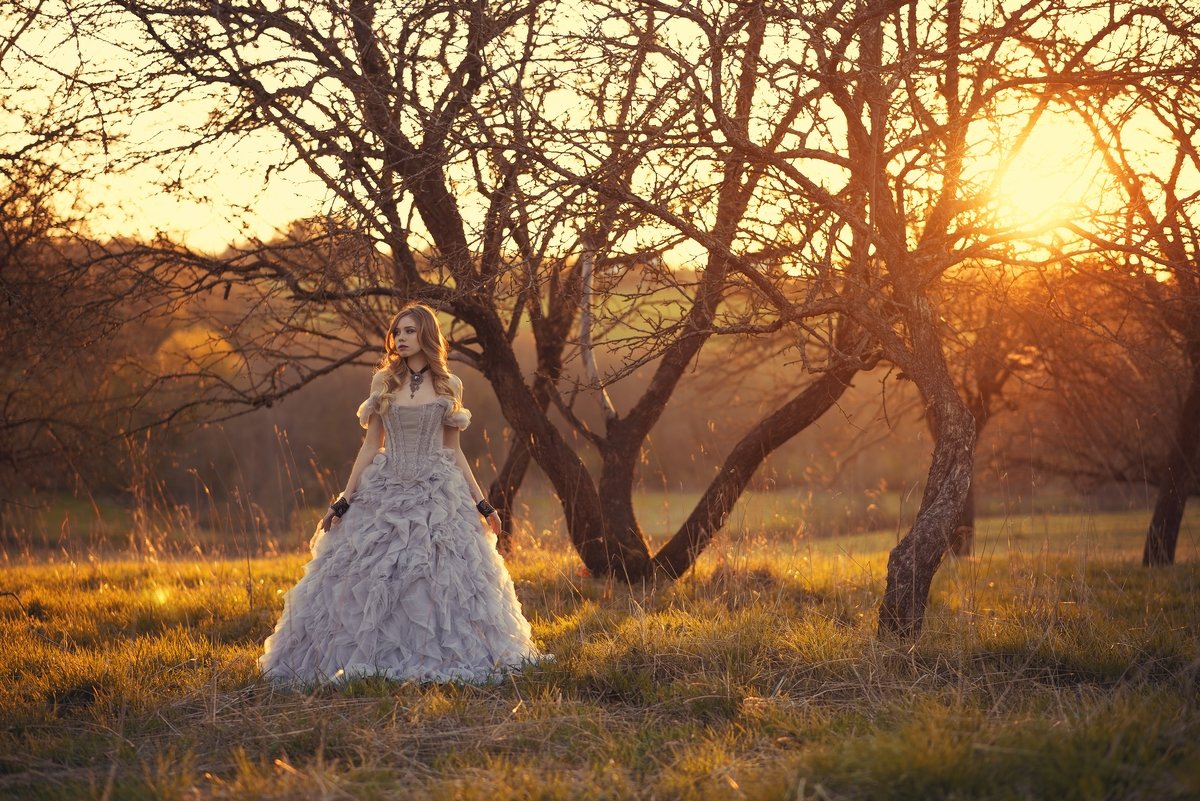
x=408, y=586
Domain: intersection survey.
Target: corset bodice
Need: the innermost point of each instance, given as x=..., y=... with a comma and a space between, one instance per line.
x=414, y=434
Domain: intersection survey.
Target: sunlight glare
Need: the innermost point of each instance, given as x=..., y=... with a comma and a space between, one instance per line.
x=1049, y=179
x=233, y=205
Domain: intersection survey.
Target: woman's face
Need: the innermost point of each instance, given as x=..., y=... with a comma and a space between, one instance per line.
x=404, y=335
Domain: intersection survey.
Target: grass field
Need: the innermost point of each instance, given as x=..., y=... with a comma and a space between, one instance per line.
x=1052, y=666
x=60, y=525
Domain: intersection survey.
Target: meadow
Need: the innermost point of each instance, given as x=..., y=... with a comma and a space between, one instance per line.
x=1052, y=666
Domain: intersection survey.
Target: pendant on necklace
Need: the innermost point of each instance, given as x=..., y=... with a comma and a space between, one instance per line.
x=414, y=379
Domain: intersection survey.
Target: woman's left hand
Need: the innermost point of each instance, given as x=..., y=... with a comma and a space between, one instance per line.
x=493, y=520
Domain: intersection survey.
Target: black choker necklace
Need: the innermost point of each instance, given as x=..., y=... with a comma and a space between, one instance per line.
x=414, y=379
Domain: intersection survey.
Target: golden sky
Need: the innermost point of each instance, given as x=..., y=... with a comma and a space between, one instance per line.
x=226, y=197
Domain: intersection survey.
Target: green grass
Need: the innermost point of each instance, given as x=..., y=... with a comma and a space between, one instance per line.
x=1052, y=666
x=58, y=524
x=785, y=515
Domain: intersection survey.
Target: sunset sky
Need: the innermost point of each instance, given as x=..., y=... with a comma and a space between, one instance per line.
x=226, y=196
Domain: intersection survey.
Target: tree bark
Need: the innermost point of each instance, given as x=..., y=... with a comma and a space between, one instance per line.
x=962, y=539
x=1163, y=534
x=914, y=561
x=620, y=519
x=1181, y=480
x=962, y=542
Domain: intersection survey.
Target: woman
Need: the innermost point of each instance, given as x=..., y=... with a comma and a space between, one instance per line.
x=405, y=581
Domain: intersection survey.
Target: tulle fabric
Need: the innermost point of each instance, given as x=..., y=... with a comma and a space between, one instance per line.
x=409, y=585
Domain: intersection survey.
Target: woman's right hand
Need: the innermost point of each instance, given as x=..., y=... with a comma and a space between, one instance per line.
x=329, y=520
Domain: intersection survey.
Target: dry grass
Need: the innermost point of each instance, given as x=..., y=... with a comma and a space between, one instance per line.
x=1053, y=665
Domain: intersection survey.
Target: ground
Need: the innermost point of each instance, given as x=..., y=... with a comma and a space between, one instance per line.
x=1052, y=666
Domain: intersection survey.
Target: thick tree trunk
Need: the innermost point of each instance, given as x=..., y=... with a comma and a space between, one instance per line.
x=621, y=528
x=1163, y=534
x=714, y=506
x=605, y=550
x=1181, y=480
x=962, y=539
x=617, y=472
x=914, y=561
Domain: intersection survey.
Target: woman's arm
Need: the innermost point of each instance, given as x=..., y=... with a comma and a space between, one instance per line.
x=451, y=440
x=372, y=442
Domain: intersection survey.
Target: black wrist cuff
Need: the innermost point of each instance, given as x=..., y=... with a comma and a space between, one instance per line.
x=485, y=508
x=340, y=506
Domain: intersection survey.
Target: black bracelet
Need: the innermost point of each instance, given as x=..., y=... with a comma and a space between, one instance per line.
x=340, y=506
x=485, y=508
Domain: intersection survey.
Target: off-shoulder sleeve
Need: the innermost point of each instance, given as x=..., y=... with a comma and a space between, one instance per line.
x=371, y=405
x=459, y=418
x=367, y=408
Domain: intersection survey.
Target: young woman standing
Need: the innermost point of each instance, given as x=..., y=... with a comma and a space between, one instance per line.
x=405, y=580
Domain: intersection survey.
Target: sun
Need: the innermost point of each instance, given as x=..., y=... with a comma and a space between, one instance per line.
x=1050, y=180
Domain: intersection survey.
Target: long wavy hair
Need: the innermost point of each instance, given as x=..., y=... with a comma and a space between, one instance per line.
x=391, y=376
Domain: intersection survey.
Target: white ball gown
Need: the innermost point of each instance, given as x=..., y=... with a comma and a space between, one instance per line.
x=409, y=585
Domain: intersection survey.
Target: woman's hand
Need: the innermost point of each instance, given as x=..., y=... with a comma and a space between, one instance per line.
x=493, y=520
x=327, y=522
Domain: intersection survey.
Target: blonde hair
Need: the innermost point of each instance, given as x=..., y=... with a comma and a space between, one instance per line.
x=388, y=379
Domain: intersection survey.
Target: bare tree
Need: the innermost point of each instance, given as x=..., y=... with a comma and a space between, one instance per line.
x=477, y=164
x=58, y=313
x=913, y=90
x=1106, y=378
x=528, y=166
x=988, y=344
x=1150, y=243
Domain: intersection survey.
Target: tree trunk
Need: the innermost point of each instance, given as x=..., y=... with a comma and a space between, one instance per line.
x=1181, y=480
x=1163, y=534
x=620, y=453
x=714, y=506
x=604, y=550
x=962, y=539
x=914, y=561
x=502, y=493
